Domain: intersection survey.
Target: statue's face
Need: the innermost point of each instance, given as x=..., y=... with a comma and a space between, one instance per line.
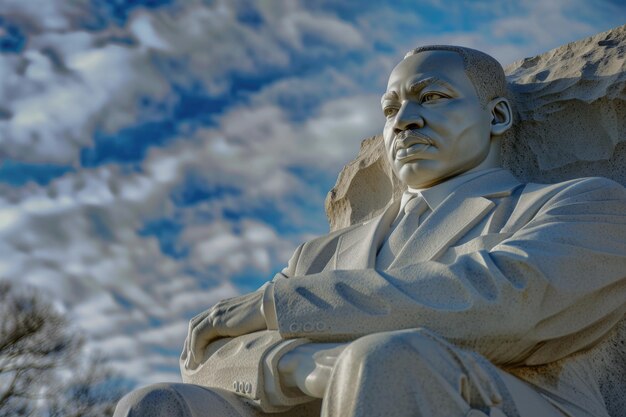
x=436, y=127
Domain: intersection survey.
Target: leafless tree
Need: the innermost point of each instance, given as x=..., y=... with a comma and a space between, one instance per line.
x=43, y=369
x=92, y=391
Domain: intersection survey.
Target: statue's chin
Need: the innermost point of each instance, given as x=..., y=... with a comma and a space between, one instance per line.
x=414, y=174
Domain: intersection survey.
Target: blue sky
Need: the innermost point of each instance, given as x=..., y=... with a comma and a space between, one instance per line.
x=159, y=155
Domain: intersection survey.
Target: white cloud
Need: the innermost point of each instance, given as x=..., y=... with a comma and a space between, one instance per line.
x=75, y=82
x=328, y=30
x=41, y=16
x=143, y=29
x=55, y=108
x=199, y=300
x=341, y=125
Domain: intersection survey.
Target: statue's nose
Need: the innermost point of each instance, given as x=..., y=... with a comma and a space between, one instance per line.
x=408, y=117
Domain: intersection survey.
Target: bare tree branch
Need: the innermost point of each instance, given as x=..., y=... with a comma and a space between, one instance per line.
x=43, y=370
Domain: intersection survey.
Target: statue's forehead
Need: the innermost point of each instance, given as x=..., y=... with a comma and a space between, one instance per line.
x=436, y=64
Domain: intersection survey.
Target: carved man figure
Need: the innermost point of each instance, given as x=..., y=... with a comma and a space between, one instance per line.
x=474, y=295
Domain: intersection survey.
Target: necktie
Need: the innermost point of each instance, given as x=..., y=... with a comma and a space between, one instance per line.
x=404, y=227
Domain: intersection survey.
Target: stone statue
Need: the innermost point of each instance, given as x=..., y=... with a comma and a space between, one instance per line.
x=471, y=295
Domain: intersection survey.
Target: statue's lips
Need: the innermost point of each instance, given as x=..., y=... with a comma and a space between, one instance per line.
x=408, y=146
x=411, y=151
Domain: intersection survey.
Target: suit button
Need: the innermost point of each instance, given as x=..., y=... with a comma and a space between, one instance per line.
x=319, y=326
x=308, y=327
x=294, y=327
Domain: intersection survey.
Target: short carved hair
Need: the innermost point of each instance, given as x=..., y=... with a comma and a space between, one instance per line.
x=485, y=73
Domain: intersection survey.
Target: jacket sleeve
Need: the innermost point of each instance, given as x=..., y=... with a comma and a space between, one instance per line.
x=290, y=269
x=555, y=286
x=251, y=373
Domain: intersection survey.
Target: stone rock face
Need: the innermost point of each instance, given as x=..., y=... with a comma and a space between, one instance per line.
x=570, y=107
x=363, y=188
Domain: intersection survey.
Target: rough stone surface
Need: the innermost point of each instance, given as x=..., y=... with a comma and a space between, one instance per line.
x=363, y=188
x=570, y=122
x=571, y=109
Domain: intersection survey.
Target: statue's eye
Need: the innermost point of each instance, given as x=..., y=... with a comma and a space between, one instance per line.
x=432, y=96
x=390, y=111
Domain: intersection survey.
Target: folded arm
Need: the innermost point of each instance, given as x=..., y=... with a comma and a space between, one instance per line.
x=561, y=277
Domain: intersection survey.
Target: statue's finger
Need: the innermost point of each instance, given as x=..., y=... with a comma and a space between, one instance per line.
x=198, y=318
x=185, y=356
x=201, y=335
x=193, y=343
x=186, y=344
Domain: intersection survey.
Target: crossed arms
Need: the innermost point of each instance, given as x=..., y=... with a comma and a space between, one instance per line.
x=554, y=286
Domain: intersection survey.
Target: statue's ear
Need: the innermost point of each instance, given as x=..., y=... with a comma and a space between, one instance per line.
x=502, y=115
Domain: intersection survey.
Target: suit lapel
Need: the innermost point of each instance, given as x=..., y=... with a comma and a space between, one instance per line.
x=455, y=216
x=357, y=248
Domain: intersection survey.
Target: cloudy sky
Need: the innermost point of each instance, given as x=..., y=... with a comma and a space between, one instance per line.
x=160, y=155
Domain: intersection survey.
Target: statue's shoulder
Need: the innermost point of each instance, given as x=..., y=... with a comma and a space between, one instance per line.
x=326, y=239
x=576, y=185
x=579, y=189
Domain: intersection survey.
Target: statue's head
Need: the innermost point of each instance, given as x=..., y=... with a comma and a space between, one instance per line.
x=445, y=109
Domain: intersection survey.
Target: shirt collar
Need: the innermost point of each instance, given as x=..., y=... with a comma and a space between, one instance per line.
x=435, y=195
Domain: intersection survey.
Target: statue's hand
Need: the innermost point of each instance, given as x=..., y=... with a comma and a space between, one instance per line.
x=228, y=318
x=308, y=367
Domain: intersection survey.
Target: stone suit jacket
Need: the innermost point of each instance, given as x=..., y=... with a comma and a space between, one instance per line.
x=531, y=276
x=528, y=275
